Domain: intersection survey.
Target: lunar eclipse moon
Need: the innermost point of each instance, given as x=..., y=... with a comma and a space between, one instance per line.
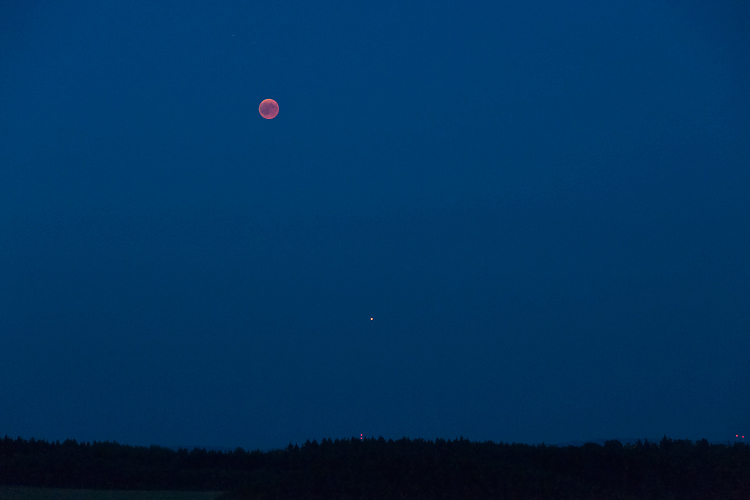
x=268, y=109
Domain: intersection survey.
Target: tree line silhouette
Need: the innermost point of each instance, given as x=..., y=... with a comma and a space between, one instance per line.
x=378, y=469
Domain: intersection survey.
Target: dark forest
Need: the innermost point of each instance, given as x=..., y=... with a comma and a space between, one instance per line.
x=388, y=469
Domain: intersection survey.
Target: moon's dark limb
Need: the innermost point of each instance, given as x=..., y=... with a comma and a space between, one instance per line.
x=268, y=109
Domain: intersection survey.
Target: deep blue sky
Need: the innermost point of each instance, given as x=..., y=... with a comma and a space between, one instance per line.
x=544, y=205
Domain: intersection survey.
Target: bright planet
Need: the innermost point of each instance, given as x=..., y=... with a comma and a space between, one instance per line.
x=268, y=109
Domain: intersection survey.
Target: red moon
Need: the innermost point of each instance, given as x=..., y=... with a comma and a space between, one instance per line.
x=268, y=109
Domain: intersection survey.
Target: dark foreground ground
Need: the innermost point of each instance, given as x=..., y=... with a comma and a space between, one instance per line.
x=26, y=493
x=376, y=469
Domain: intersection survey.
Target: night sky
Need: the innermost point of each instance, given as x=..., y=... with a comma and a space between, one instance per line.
x=543, y=206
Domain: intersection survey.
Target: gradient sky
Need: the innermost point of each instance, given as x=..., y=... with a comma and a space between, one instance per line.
x=544, y=205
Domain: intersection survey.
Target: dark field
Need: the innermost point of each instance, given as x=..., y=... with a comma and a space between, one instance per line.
x=379, y=469
x=23, y=493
